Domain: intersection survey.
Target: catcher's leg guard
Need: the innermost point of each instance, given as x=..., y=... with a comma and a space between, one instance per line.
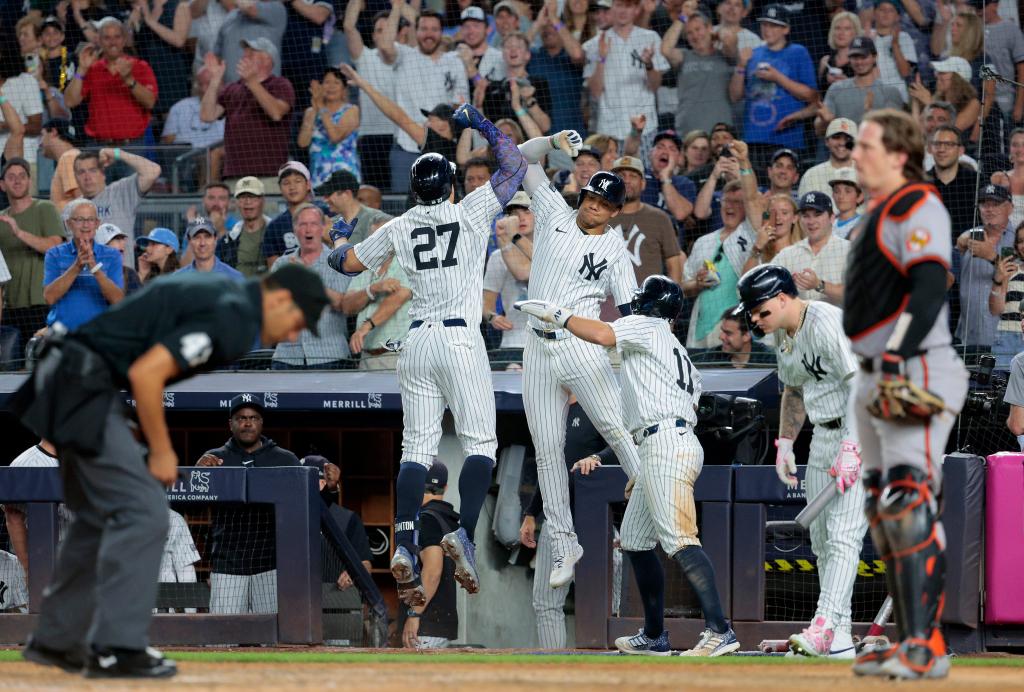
x=908, y=514
x=869, y=661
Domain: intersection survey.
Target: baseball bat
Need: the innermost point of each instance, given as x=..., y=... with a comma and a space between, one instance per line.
x=878, y=624
x=817, y=504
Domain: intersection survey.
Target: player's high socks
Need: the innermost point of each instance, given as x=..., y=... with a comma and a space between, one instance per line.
x=409, y=488
x=701, y=575
x=474, y=482
x=650, y=582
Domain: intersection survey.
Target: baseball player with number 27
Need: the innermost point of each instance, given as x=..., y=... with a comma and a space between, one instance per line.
x=659, y=396
x=817, y=367
x=442, y=247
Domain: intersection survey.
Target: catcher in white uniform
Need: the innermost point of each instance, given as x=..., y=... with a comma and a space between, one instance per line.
x=576, y=263
x=817, y=367
x=659, y=396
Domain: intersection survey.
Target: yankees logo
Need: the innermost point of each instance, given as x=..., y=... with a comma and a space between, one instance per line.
x=593, y=271
x=742, y=243
x=813, y=367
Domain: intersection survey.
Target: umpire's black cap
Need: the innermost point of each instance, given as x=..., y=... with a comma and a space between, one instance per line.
x=245, y=400
x=607, y=186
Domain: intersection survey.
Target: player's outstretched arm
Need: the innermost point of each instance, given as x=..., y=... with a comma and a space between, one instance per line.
x=511, y=164
x=594, y=331
x=342, y=259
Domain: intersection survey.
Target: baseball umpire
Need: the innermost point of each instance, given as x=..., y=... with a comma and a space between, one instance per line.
x=105, y=583
x=817, y=367
x=659, y=396
x=910, y=386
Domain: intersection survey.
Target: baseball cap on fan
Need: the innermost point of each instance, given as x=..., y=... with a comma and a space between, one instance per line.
x=956, y=65
x=818, y=201
x=263, y=45
x=437, y=474
x=472, y=13
x=862, y=45
x=775, y=14
x=841, y=126
x=107, y=232
x=628, y=163
x=994, y=193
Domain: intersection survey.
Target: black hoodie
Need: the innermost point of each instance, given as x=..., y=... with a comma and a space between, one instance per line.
x=242, y=536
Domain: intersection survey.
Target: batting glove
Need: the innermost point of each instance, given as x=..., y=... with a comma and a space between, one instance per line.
x=846, y=467
x=568, y=141
x=785, y=462
x=467, y=116
x=342, y=229
x=543, y=310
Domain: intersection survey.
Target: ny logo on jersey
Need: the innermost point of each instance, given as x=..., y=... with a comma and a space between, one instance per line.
x=742, y=243
x=593, y=271
x=813, y=367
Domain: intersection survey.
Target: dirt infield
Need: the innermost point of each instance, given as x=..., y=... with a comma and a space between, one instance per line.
x=541, y=673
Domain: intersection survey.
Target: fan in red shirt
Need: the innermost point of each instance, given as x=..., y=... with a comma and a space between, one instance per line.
x=119, y=89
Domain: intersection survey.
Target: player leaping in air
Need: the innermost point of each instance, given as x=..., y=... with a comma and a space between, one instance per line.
x=442, y=246
x=659, y=396
x=576, y=263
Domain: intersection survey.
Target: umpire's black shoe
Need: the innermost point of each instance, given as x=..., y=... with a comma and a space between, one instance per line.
x=129, y=663
x=70, y=661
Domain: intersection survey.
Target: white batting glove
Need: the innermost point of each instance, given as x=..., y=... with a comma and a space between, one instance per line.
x=846, y=467
x=785, y=462
x=568, y=141
x=543, y=310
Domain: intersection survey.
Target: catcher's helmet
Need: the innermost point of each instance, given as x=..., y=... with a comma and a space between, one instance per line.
x=658, y=296
x=761, y=284
x=607, y=186
x=431, y=178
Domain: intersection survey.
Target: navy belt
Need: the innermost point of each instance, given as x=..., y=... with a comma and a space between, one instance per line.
x=456, y=322
x=833, y=424
x=554, y=334
x=642, y=435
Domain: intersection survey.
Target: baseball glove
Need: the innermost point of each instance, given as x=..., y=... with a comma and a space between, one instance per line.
x=898, y=399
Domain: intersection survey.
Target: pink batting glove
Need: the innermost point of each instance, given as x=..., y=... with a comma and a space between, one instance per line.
x=846, y=467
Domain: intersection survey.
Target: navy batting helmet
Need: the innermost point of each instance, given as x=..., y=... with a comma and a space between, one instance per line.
x=607, y=186
x=431, y=178
x=658, y=296
x=761, y=284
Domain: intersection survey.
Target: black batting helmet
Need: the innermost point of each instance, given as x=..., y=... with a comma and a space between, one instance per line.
x=431, y=178
x=607, y=186
x=658, y=296
x=760, y=284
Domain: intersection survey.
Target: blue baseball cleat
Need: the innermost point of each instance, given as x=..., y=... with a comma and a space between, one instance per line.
x=463, y=553
x=403, y=569
x=642, y=645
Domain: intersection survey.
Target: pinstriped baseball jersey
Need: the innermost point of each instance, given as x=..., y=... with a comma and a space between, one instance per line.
x=818, y=359
x=442, y=249
x=659, y=381
x=571, y=268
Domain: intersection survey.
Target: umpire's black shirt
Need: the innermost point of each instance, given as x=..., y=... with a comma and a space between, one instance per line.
x=204, y=320
x=243, y=536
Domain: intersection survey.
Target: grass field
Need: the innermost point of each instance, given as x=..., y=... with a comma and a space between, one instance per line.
x=382, y=671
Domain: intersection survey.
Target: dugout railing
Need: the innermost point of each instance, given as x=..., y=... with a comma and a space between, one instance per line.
x=303, y=525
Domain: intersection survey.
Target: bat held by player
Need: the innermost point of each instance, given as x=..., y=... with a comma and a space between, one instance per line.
x=816, y=505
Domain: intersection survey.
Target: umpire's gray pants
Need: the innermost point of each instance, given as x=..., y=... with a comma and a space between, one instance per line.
x=105, y=585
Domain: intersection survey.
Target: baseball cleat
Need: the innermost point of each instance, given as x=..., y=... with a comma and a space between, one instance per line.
x=460, y=549
x=815, y=639
x=562, y=569
x=148, y=663
x=44, y=655
x=410, y=589
x=642, y=645
x=713, y=644
x=903, y=663
x=870, y=661
x=843, y=648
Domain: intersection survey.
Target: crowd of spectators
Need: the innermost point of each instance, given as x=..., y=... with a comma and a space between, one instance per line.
x=731, y=122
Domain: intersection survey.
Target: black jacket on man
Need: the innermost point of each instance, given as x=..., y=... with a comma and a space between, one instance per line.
x=243, y=536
